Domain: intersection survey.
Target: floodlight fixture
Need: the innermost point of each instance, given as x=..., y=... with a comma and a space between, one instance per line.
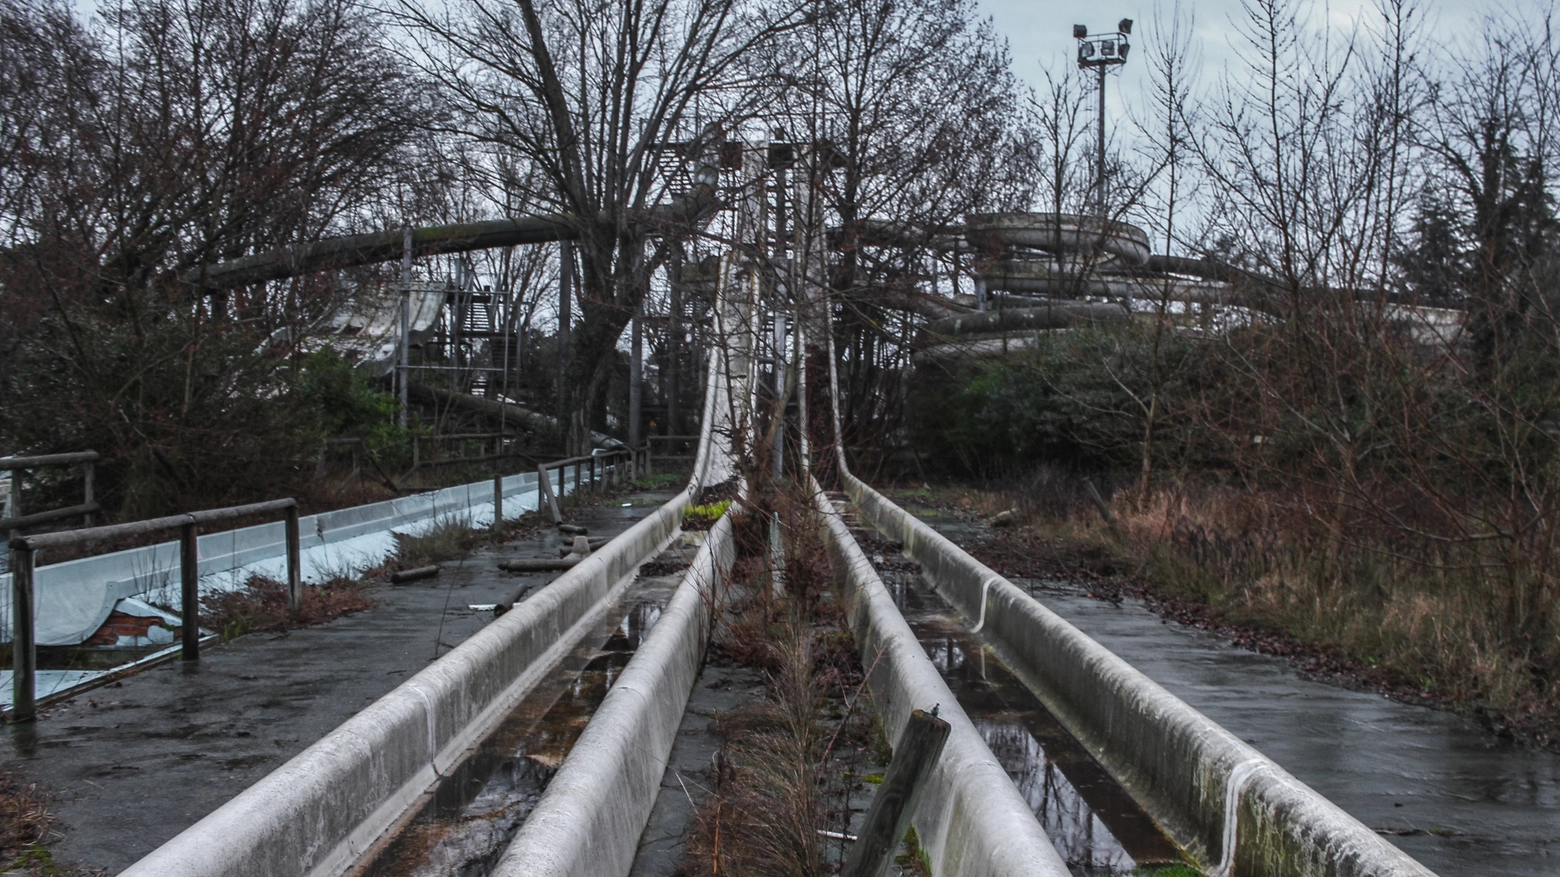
x=1102, y=52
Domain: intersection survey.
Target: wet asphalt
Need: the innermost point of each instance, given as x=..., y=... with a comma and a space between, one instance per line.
x=127, y=767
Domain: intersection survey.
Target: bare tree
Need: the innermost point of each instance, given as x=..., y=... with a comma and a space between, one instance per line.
x=174, y=134
x=610, y=106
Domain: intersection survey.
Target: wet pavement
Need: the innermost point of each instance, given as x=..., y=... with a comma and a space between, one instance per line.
x=1441, y=787
x=131, y=765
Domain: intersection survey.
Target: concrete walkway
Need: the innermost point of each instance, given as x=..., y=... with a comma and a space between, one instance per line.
x=133, y=764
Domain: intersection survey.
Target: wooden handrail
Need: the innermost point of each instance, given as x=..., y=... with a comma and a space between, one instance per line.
x=24, y=549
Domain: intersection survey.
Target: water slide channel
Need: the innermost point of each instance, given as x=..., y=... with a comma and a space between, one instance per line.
x=471, y=816
x=1441, y=787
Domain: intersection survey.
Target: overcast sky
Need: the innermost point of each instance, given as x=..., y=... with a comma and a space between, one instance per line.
x=1039, y=32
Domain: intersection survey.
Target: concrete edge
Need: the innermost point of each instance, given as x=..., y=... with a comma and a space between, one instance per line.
x=590, y=819
x=972, y=819
x=1192, y=775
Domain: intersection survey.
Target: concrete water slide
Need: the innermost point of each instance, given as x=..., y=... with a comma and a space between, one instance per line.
x=680, y=213
x=323, y=810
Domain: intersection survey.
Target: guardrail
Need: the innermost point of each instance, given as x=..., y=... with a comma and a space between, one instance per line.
x=24, y=646
x=88, y=507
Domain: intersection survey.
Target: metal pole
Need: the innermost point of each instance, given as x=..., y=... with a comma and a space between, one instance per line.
x=189, y=586
x=565, y=290
x=674, y=338
x=24, y=642
x=777, y=453
x=1099, y=190
x=294, y=561
x=803, y=440
x=406, y=320
x=636, y=375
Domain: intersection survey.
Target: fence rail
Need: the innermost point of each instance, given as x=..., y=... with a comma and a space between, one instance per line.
x=24, y=640
x=16, y=522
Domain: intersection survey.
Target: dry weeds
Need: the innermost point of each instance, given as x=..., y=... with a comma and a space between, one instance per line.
x=261, y=605
x=1358, y=611
x=787, y=763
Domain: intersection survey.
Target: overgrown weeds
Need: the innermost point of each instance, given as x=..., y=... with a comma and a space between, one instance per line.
x=702, y=517
x=261, y=605
x=787, y=764
x=447, y=539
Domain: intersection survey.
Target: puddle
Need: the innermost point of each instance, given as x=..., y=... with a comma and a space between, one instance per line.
x=1096, y=826
x=476, y=810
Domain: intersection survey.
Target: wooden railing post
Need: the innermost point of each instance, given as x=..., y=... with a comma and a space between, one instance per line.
x=294, y=561
x=189, y=586
x=544, y=484
x=24, y=641
x=88, y=488
x=498, y=500
x=919, y=748
x=16, y=500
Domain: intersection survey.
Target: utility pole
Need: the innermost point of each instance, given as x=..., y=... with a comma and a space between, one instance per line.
x=406, y=319
x=565, y=284
x=779, y=159
x=636, y=375
x=1102, y=52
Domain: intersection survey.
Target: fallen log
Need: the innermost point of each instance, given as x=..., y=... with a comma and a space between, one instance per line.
x=412, y=575
x=539, y=564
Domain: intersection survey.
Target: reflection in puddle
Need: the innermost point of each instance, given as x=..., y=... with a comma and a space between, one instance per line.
x=1097, y=828
x=476, y=810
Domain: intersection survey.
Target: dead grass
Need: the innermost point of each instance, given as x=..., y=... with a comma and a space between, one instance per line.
x=261, y=605
x=785, y=765
x=25, y=830
x=447, y=539
x=24, y=818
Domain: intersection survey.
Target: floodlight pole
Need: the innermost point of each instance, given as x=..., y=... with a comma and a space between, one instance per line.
x=1099, y=158
x=1102, y=51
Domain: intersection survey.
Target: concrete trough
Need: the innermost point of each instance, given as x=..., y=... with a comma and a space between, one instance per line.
x=972, y=821
x=589, y=820
x=1226, y=803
